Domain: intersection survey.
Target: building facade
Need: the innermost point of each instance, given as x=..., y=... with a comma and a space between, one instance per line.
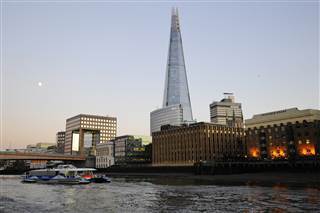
x=227, y=112
x=83, y=132
x=105, y=155
x=291, y=115
x=61, y=138
x=285, y=134
x=129, y=150
x=172, y=115
x=176, y=101
x=189, y=144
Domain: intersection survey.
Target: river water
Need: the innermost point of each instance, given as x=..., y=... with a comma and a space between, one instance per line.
x=154, y=194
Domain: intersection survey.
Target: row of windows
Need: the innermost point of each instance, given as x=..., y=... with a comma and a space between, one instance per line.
x=171, y=150
x=277, y=135
x=307, y=141
x=103, y=160
x=193, y=135
x=105, y=151
x=98, y=120
x=105, y=133
x=98, y=123
x=71, y=126
x=97, y=127
x=110, y=130
x=105, y=138
x=297, y=124
x=268, y=130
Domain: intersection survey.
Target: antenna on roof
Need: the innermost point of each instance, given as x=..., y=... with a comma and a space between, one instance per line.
x=229, y=95
x=173, y=11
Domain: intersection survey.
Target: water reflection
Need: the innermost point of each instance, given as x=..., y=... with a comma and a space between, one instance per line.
x=155, y=194
x=313, y=196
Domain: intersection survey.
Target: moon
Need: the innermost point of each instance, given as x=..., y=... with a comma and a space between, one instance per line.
x=40, y=84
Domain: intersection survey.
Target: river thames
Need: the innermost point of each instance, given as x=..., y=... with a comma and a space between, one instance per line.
x=155, y=194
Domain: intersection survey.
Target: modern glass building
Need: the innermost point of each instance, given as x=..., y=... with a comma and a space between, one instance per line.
x=172, y=115
x=129, y=149
x=176, y=91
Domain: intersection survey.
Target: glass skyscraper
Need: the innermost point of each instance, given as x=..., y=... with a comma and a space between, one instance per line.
x=176, y=101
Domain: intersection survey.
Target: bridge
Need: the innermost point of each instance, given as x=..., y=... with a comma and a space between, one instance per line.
x=39, y=156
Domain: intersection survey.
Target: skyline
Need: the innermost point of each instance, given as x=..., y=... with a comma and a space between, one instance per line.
x=284, y=46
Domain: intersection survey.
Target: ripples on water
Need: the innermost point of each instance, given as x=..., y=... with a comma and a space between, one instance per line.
x=156, y=194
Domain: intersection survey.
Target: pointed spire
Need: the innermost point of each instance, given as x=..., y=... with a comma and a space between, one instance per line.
x=173, y=11
x=176, y=83
x=175, y=26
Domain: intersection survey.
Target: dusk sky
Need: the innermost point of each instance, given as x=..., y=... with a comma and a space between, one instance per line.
x=110, y=59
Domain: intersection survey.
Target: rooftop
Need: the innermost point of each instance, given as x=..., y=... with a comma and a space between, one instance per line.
x=92, y=116
x=285, y=115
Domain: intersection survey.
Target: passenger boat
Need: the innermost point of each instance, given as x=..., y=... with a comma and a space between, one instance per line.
x=64, y=174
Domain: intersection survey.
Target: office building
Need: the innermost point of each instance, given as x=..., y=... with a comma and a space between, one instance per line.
x=172, y=115
x=83, y=132
x=176, y=108
x=285, y=134
x=226, y=112
x=130, y=150
x=189, y=144
x=60, y=137
x=105, y=155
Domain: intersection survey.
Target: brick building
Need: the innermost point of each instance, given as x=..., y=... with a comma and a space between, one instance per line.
x=285, y=134
x=188, y=144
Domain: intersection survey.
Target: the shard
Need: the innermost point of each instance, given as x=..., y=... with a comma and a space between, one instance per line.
x=176, y=108
x=176, y=89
